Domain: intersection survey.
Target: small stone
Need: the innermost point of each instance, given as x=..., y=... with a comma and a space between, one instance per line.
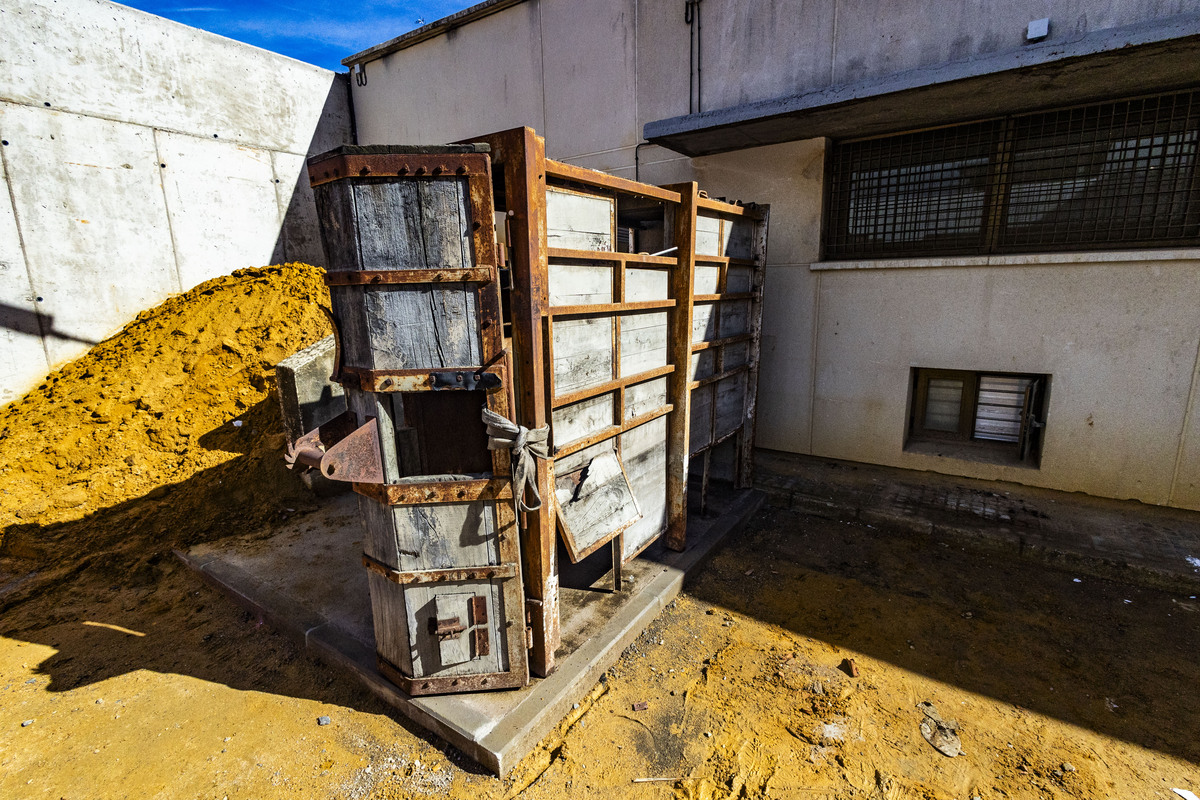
x=1058, y=773
x=711, y=612
x=1068, y=766
x=575, y=706
x=707, y=735
x=100, y=702
x=26, y=723
x=323, y=720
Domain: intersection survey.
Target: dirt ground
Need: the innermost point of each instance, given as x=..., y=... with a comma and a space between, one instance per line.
x=123, y=675
x=1059, y=689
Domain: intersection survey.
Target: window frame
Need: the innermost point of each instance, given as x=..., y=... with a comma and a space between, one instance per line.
x=928, y=187
x=963, y=443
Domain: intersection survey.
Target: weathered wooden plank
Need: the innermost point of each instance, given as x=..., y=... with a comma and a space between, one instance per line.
x=707, y=279
x=579, y=420
x=339, y=236
x=422, y=602
x=644, y=454
x=702, y=365
x=580, y=284
x=580, y=221
x=708, y=236
x=704, y=322
x=643, y=342
x=736, y=355
x=642, y=398
x=739, y=241
x=389, y=226
x=740, y=279
x=595, y=503
x=701, y=422
x=645, y=284
x=583, y=353
x=731, y=404
x=346, y=303
x=418, y=327
x=735, y=317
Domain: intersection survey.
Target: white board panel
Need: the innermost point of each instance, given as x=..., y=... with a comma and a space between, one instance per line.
x=708, y=236
x=579, y=284
x=704, y=322
x=579, y=221
x=643, y=342
x=580, y=420
x=583, y=353
x=642, y=285
x=642, y=398
x=707, y=279
x=644, y=454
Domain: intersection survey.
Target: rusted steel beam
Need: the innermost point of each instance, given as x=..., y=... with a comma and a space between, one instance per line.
x=613, y=385
x=720, y=298
x=609, y=308
x=484, y=573
x=610, y=432
x=365, y=165
x=680, y=354
x=480, y=274
x=590, y=177
x=720, y=376
x=741, y=337
x=463, y=683
x=423, y=380
x=396, y=494
x=745, y=471
x=521, y=154
x=605, y=255
x=721, y=207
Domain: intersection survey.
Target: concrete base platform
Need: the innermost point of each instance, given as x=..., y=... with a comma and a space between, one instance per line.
x=307, y=581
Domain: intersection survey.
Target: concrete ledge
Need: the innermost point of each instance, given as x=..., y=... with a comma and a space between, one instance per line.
x=496, y=729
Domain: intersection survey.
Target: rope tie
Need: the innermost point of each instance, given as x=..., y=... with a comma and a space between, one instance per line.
x=526, y=445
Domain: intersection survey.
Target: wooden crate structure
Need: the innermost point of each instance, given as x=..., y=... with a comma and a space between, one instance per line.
x=729, y=264
x=602, y=274
x=414, y=286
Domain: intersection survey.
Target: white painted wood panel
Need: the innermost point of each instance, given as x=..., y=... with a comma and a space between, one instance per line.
x=583, y=354
x=579, y=221
x=644, y=454
x=643, y=285
x=707, y=279
x=580, y=420
x=576, y=284
x=642, y=398
x=643, y=342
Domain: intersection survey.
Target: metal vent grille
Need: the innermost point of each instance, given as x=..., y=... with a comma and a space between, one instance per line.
x=1115, y=175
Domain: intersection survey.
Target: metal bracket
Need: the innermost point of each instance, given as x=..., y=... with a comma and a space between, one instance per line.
x=465, y=380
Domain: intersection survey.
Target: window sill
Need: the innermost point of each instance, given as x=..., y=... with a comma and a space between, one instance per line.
x=1016, y=260
x=970, y=451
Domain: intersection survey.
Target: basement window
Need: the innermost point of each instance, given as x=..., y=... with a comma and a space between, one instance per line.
x=997, y=417
x=1119, y=175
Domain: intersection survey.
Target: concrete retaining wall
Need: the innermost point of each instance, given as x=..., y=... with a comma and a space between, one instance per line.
x=141, y=157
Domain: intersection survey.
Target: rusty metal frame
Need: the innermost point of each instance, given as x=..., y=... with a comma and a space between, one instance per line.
x=371, y=277
x=424, y=380
x=476, y=169
x=487, y=572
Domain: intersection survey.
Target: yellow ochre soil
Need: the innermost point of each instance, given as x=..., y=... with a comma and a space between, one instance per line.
x=137, y=680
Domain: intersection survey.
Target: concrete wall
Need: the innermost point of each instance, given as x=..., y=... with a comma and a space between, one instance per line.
x=141, y=157
x=1118, y=332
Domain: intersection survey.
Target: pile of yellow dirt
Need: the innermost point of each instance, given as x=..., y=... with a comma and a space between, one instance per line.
x=166, y=433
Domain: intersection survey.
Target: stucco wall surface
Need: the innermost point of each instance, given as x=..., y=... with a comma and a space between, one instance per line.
x=1119, y=337
x=141, y=157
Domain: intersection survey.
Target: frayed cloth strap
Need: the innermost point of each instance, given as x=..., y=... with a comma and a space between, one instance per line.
x=525, y=445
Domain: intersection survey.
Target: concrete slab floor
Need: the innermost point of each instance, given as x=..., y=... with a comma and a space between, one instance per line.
x=1122, y=540
x=306, y=580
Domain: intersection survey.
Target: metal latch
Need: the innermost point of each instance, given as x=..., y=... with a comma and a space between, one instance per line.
x=465, y=380
x=445, y=629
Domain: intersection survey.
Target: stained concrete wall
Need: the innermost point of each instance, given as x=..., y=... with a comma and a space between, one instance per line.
x=141, y=157
x=1119, y=336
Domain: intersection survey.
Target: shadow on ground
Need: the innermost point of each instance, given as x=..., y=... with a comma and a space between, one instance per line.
x=1116, y=659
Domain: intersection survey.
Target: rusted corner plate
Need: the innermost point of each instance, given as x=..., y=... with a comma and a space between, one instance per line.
x=416, y=380
x=483, y=273
x=355, y=459
x=455, y=685
x=453, y=575
x=340, y=165
x=403, y=494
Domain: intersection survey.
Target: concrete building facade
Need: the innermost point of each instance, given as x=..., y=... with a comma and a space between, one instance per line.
x=753, y=99
x=141, y=157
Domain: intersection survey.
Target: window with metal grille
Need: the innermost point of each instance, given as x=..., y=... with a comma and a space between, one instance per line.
x=989, y=416
x=1109, y=176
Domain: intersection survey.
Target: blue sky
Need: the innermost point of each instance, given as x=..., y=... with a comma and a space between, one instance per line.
x=319, y=33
